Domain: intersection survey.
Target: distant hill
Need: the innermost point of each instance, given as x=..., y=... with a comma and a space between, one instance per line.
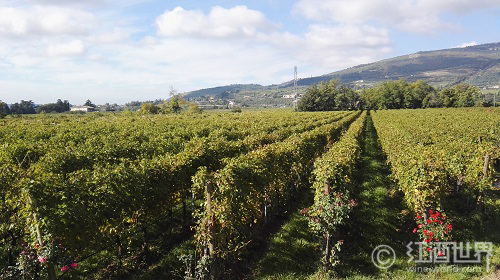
x=478, y=65
x=223, y=91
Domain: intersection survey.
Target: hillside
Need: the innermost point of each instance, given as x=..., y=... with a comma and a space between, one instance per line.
x=478, y=65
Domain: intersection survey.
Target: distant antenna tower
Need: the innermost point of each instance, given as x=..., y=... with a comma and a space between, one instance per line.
x=295, y=95
x=295, y=80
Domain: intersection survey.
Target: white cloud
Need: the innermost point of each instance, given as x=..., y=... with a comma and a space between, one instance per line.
x=13, y=21
x=219, y=23
x=41, y=20
x=115, y=36
x=467, y=44
x=321, y=36
x=24, y=60
x=418, y=16
x=74, y=47
x=332, y=47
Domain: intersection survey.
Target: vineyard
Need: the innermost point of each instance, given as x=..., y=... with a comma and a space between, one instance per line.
x=208, y=196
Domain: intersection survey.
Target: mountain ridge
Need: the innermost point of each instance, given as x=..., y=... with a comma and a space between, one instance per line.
x=478, y=65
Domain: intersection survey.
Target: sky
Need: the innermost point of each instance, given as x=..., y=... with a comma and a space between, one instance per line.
x=120, y=51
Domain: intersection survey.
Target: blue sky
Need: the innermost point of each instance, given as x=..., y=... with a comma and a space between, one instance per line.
x=119, y=51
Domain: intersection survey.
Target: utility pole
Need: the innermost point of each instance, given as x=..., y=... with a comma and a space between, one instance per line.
x=295, y=94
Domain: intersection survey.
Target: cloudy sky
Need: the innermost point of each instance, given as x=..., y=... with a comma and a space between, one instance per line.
x=119, y=51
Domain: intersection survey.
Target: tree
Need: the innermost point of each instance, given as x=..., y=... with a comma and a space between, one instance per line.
x=392, y=94
x=466, y=95
x=89, y=103
x=4, y=110
x=346, y=99
x=174, y=104
x=368, y=99
x=419, y=90
x=319, y=97
x=25, y=107
x=194, y=108
x=149, y=108
x=447, y=97
x=57, y=107
x=432, y=100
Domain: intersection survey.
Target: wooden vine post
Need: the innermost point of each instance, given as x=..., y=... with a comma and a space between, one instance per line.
x=486, y=166
x=119, y=252
x=39, y=236
x=326, y=191
x=210, y=220
x=210, y=230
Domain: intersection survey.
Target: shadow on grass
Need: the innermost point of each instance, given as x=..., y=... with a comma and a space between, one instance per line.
x=292, y=252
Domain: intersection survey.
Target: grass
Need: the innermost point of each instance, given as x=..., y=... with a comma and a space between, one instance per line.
x=379, y=218
x=170, y=266
x=292, y=252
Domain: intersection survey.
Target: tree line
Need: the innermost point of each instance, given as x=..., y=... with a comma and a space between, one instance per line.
x=389, y=95
x=29, y=107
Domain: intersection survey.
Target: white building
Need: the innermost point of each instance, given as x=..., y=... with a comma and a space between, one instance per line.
x=82, y=109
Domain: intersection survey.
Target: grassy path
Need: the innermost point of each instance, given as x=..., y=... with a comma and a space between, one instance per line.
x=379, y=215
x=292, y=252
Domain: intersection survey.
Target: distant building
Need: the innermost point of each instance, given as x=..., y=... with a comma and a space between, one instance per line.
x=82, y=109
x=289, y=96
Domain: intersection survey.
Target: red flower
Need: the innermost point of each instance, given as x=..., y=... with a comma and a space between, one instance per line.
x=440, y=254
x=429, y=249
x=429, y=221
x=420, y=226
x=73, y=265
x=65, y=268
x=414, y=230
x=430, y=211
x=425, y=231
x=450, y=227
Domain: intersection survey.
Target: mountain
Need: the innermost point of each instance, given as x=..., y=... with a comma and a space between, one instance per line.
x=223, y=90
x=478, y=65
